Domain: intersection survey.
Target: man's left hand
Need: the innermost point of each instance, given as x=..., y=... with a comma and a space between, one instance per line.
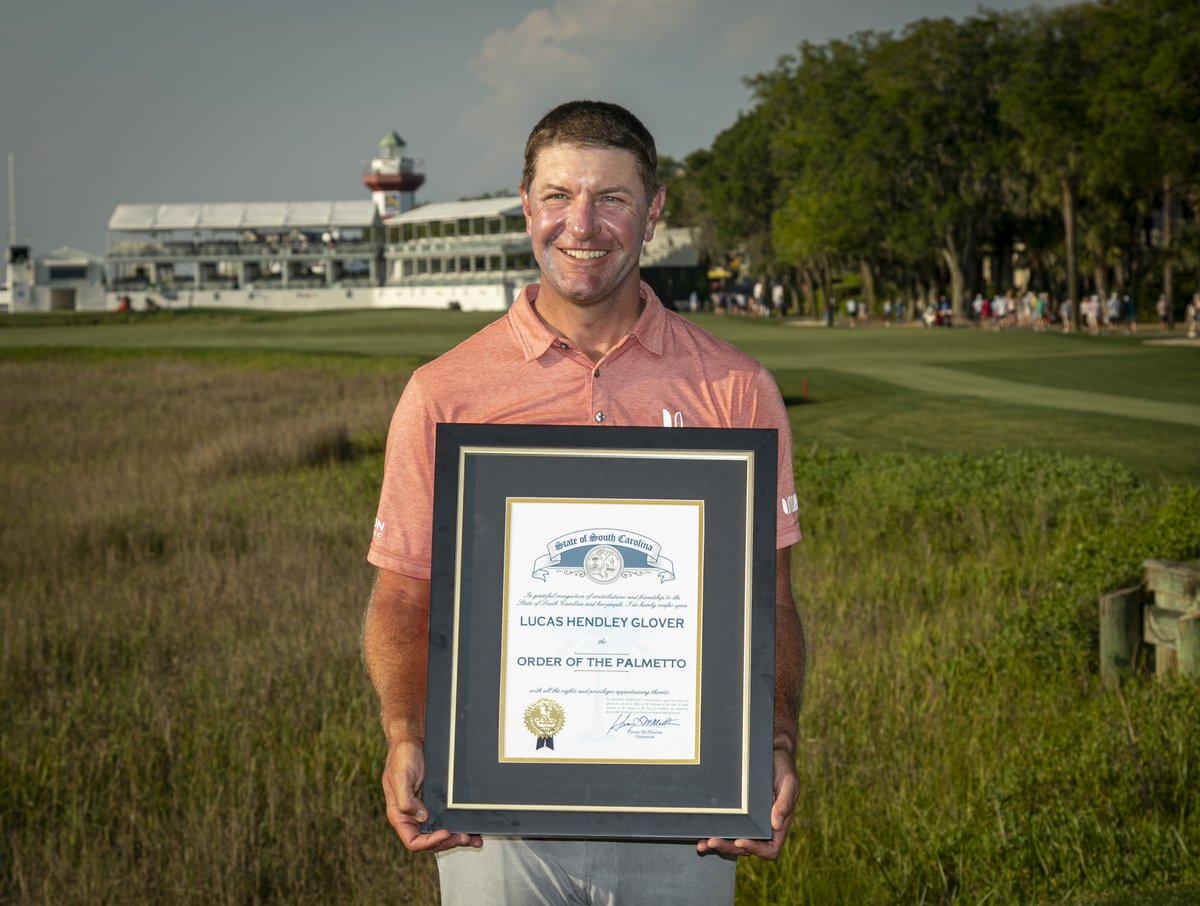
x=787, y=787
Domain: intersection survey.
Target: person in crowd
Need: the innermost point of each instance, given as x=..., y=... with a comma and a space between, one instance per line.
x=1163, y=310
x=1131, y=315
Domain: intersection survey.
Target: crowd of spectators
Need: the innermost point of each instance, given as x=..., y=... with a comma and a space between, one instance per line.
x=1035, y=311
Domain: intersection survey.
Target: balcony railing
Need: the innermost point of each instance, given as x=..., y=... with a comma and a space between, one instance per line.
x=239, y=250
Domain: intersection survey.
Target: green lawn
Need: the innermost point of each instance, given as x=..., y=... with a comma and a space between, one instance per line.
x=875, y=389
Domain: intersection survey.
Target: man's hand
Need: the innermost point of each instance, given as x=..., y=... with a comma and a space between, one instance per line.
x=787, y=787
x=395, y=628
x=402, y=778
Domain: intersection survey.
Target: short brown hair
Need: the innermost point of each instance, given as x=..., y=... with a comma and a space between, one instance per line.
x=599, y=124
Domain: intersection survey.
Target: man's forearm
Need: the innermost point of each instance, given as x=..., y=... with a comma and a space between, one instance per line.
x=790, y=655
x=394, y=651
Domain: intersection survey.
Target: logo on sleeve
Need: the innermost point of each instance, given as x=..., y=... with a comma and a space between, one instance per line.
x=789, y=504
x=672, y=420
x=379, y=528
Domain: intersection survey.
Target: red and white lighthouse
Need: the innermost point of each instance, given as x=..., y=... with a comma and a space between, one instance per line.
x=392, y=177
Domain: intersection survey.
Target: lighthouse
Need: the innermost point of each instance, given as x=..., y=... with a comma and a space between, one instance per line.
x=392, y=177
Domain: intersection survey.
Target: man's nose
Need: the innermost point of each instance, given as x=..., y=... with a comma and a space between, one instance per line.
x=581, y=219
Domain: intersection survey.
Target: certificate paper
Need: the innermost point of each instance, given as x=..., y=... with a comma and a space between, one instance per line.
x=602, y=645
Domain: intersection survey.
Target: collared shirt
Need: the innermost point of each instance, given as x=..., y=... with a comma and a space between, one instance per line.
x=666, y=372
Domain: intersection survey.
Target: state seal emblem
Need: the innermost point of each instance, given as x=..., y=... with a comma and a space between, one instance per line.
x=603, y=564
x=543, y=719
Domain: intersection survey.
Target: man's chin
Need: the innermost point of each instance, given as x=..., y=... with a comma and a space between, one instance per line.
x=584, y=291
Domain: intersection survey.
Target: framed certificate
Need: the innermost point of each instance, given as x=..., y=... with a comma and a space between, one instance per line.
x=601, y=632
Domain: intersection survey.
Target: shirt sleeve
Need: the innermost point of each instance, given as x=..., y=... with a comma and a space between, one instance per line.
x=770, y=412
x=402, y=539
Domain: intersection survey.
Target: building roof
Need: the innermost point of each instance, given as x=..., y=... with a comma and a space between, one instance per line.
x=68, y=254
x=454, y=210
x=243, y=215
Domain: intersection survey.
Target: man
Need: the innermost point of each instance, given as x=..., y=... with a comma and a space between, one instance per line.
x=590, y=344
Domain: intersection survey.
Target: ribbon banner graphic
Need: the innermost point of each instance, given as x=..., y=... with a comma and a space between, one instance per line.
x=603, y=555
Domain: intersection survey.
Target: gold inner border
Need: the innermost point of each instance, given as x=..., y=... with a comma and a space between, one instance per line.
x=747, y=457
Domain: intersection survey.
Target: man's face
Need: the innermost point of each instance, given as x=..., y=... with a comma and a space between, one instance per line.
x=588, y=216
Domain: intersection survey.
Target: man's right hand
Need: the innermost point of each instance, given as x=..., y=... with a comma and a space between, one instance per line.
x=395, y=633
x=402, y=778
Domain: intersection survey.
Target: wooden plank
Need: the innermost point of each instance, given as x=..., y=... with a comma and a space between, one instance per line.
x=1166, y=600
x=1165, y=662
x=1172, y=577
x=1188, y=647
x=1120, y=627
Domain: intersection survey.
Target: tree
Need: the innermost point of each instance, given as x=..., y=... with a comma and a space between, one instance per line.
x=1146, y=104
x=823, y=153
x=1045, y=100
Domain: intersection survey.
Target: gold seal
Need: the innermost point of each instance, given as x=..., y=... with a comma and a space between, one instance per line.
x=544, y=718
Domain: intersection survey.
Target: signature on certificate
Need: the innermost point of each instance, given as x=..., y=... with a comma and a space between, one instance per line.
x=631, y=723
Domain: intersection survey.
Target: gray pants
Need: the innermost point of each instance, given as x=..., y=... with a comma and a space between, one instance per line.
x=516, y=871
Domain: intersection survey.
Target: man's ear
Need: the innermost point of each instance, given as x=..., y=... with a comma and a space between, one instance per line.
x=524, y=203
x=655, y=212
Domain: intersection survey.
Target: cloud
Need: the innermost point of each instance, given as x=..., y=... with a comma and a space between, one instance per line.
x=572, y=49
x=570, y=43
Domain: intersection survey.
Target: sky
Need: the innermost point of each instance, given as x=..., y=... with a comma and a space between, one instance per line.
x=105, y=102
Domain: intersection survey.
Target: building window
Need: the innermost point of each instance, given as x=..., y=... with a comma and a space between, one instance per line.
x=464, y=265
x=480, y=263
x=408, y=232
x=422, y=265
x=67, y=272
x=494, y=263
x=435, y=266
x=408, y=267
x=450, y=265
x=464, y=228
x=493, y=225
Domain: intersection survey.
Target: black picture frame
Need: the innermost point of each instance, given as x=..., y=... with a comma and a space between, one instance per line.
x=727, y=791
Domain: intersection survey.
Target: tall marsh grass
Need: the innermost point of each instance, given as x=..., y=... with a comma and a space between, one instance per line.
x=957, y=746
x=183, y=717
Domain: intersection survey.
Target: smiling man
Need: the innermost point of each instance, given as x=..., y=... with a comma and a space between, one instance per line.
x=589, y=344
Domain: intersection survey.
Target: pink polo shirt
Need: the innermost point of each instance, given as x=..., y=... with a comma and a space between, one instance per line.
x=665, y=372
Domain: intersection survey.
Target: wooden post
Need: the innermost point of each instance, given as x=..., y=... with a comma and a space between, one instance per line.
x=1187, y=648
x=1120, y=633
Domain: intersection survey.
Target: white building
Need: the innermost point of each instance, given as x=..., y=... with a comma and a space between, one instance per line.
x=66, y=279
x=463, y=254
x=282, y=255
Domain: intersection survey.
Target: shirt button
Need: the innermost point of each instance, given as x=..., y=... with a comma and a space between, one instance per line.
x=596, y=373
x=562, y=345
x=599, y=416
